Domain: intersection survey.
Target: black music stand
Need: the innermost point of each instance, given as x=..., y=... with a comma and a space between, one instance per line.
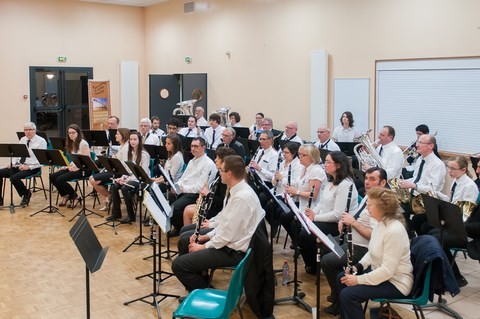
x=156, y=152
x=116, y=167
x=253, y=145
x=323, y=154
x=243, y=132
x=347, y=147
x=58, y=143
x=91, y=250
x=447, y=217
x=51, y=158
x=96, y=138
x=84, y=163
x=143, y=179
x=111, y=133
x=41, y=134
x=13, y=150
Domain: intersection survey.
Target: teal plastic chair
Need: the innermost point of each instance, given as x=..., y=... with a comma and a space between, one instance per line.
x=215, y=303
x=416, y=301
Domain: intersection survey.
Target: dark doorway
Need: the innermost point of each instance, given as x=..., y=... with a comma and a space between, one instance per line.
x=59, y=97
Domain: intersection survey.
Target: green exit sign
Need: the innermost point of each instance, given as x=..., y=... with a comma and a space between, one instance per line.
x=62, y=59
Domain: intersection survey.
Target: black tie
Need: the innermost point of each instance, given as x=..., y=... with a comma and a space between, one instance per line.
x=213, y=139
x=228, y=197
x=323, y=145
x=453, y=190
x=360, y=210
x=381, y=151
x=420, y=170
x=261, y=155
x=189, y=131
x=23, y=159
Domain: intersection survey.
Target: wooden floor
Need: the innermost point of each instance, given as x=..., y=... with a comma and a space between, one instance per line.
x=42, y=275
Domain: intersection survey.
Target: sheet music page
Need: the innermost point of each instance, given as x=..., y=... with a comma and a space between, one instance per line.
x=166, y=176
x=297, y=212
x=157, y=214
x=161, y=199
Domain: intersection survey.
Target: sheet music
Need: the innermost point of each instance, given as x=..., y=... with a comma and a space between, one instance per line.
x=158, y=207
x=163, y=201
x=297, y=212
x=169, y=180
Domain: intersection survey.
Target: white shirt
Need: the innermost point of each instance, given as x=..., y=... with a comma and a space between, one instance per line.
x=151, y=139
x=433, y=174
x=174, y=166
x=389, y=256
x=295, y=169
x=158, y=132
x=194, y=132
x=122, y=153
x=334, y=201
x=196, y=173
x=240, y=217
x=329, y=145
x=202, y=122
x=392, y=159
x=466, y=190
x=310, y=173
x=37, y=142
x=341, y=134
x=144, y=163
x=212, y=144
x=294, y=138
x=268, y=163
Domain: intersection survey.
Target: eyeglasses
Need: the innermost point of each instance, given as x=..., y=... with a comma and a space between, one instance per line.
x=289, y=128
x=329, y=162
x=28, y=129
x=321, y=132
x=302, y=155
x=226, y=135
x=222, y=171
x=454, y=168
x=263, y=139
x=195, y=146
x=72, y=132
x=423, y=143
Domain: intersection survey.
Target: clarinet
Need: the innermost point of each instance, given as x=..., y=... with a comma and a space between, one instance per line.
x=205, y=205
x=345, y=227
x=310, y=197
x=279, y=160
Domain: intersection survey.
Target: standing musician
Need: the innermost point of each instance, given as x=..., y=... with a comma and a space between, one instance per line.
x=129, y=184
x=257, y=127
x=346, y=132
x=429, y=175
x=213, y=134
x=463, y=190
x=146, y=135
x=99, y=180
x=264, y=162
x=75, y=144
x=228, y=140
x=192, y=130
x=389, y=152
x=227, y=243
x=388, y=256
x=290, y=133
x=195, y=176
x=361, y=224
x=333, y=202
x=219, y=188
x=324, y=141
x=25, y=166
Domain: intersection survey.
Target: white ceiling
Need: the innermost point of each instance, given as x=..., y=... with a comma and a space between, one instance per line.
x=135, y=3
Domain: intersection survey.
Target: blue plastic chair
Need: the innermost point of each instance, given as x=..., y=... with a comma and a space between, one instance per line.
x=416, y=301
x=215, y=303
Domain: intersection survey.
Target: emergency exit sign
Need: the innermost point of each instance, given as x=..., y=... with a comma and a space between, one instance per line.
x=62, y=59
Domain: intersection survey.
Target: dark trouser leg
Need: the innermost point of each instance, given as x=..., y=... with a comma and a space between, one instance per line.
x=307, y=243
x=351, y=298
x=116, y=201
x=4, y=172
x=128, y=193
x=185, y=233
x=17, y=180
x=179, y=205
x=189, y=267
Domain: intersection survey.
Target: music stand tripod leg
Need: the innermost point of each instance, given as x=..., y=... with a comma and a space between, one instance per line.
x=139, y=239
x=50, y=209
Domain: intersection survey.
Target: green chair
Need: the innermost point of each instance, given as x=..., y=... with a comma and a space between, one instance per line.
x=417, y=301
x=215, y=303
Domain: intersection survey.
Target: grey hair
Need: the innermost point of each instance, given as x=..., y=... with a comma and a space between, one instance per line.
x=30, y=124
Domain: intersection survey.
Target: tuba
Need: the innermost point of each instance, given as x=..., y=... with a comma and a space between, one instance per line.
x=466, y=207
x=185, y=108
x=224, y=118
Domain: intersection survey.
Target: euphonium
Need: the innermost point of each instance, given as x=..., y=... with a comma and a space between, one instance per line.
x=367, y=154
x=466, y=207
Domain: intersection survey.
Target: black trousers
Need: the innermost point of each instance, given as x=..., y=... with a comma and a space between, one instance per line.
x=128, y=193
x=185, y=233
x=16, y=178
x=307, y=243
x=60, y=180
x=179, y=205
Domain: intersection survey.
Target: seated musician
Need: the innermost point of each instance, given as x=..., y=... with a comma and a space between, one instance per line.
x=75, y=144
x=156, y=127
x=192, y=130
x=389, y=152
x=429, y=175
x=412, y=154
x=175, y=162
x=257, y=127
x=265, y=160
x=112, y=124
x=99, y=180
x=388, y=256
x=128, y=185
x=346, y=132
x=199, y=115
x=228, y=140
x=335, y=196
x=24, y=166
x=147, y=137
x=463, y=190
x=227, y=243
x=213, y=134
x=290, y=133
x=218, y=187
x=324, y=141
x=361, y=223
x=200, y=171
x=235, y=119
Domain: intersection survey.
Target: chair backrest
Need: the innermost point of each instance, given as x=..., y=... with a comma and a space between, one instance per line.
x=422, y=299
x=235, y=289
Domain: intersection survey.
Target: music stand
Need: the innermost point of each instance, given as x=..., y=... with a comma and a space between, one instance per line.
x=51, y=158
x=111, y=133
x=156, y=152
x=41, y=134
x=13, y=150
x=243, y=132
x=183, y=119
x=96, y=138
x=91, y=250
x=323, y=154
x=116, y=167
x=143, y=178
x=253, y=145
x=347, y=147
x=58, y=143
x=84, y=163
x=447, y=217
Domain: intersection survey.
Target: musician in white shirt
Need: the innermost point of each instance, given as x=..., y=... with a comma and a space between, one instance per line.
x=324, y=141
x=199, y=115
x=213, y=134
x=156, y=127
x=346, y=132
x=147, y=137
x=389, y=152
x=192, y=130
x=265, y=160
x=290, y=133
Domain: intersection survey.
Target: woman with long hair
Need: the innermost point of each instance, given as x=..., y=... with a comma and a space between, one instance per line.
x=388, y=257
x=99, y=180
x=75, y=144
x=175, y=162
x=129, y=184
x=346, y=132
x=339, y=191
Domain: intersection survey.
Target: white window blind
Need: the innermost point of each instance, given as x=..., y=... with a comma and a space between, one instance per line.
x=442, y=93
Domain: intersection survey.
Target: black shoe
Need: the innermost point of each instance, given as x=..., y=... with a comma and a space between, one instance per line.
x=310, y=270
x=26, y=198
x=111, y=218
x=331, y=299
x=174, y=232
x=127, y=220
x=462, y=282
x=1, y=201
x=332, y=310
x=146, y=222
